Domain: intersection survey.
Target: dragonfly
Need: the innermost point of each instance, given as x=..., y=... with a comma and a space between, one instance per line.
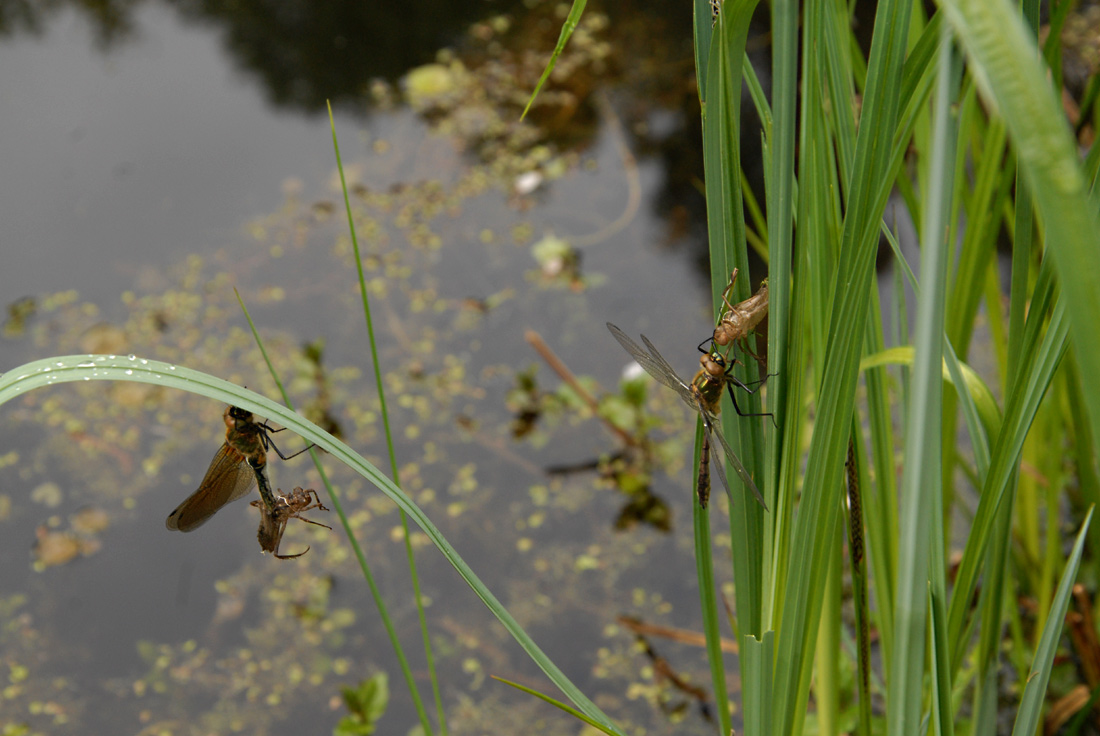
x=703, y=395
x=273, y=521
x=238, y=464
x=738, y=320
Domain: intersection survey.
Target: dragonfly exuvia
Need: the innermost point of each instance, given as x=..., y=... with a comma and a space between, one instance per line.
x=738, y=320
x=273, y=522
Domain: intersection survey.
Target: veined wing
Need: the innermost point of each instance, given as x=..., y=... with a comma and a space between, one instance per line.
x=228, y=478
x=655, y=365
x=710, y=425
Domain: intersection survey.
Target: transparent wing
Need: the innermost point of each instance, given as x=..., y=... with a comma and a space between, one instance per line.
x=655, y=365
x=709, y=423
x=228, y=478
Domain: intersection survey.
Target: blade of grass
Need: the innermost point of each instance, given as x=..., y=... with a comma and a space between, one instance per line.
x=798, y=317
x=703, y=30
x=72, y=368
x=1020, y=407
x=380, y=388
x=979, y=408
x=567, y=28
x=757, y=662
x=726, y=227
x=556, y=703
x=376, y=594
x=704, y=575
x=1006, y=64
x=979, y=241
x=942, y=711
x=1031, y=704
x=880, y=506
x=858, y=562
x=815, y=210
x=921, y=489
x=816, y=526
x=780, y=202
x=826, y=645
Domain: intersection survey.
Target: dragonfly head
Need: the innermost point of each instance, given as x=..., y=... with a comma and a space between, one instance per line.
x=234, y=414
x=713, y=364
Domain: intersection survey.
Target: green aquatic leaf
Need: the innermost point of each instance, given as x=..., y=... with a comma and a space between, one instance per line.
x=365, y=703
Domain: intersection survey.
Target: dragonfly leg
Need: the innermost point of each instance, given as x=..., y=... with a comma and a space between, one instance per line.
x=265, y=431
x=732, y=381
x=311, y=521
x=290, y=557
x=703, y=350
x=729, y=290
x=748, y=350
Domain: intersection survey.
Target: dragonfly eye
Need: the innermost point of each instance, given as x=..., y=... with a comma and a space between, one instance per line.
x=238, y=414
x=713, y=364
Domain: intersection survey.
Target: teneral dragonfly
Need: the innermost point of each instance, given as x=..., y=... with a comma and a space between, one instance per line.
x=703, y=395
x=238, y=464
x=273, y=522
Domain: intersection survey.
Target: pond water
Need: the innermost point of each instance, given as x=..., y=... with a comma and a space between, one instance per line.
x=162, y=154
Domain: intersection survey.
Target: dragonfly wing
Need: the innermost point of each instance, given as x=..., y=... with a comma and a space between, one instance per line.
x=228, y=478
x=733, y=460
x=688, y=393
x=716, y=461
x=654, y=364
x=660, y=359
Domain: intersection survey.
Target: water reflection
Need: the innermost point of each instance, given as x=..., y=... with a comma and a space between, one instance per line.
x=110, y=22
x=304, y=52
x=209, y=636
x=300, y=54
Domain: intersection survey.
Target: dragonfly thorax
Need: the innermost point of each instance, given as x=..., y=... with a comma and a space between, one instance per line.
x=709, y=381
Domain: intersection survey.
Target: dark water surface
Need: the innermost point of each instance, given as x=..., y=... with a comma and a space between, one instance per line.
x=157, y=159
